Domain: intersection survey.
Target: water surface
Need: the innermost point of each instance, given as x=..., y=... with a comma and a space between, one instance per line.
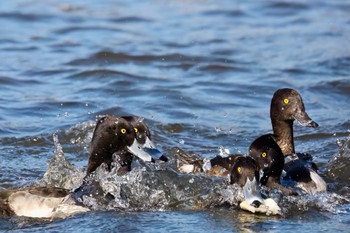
x=201, y=73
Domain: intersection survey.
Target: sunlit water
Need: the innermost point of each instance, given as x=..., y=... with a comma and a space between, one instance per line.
x=202, y=74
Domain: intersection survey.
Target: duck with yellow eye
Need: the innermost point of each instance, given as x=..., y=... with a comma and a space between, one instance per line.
x=286, y=107
x=270, y=161
x=113, y=137
x=245, y=173
x=143, y=136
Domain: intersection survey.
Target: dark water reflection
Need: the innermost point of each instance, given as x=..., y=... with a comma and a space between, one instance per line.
x=201, y=73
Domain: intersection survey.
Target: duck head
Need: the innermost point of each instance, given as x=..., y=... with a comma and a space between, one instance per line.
x=287, y=106
x=245, y=173
x=143, y=136
x=268, y=157
x=114, y=135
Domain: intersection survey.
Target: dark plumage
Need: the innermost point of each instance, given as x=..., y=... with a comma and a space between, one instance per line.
x=112, y=135
x=270, y=161
x=287, y=106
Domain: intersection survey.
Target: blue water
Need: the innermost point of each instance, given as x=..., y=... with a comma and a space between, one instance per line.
x=201, y=73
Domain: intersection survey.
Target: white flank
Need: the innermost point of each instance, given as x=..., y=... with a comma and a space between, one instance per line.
x=29, y=205
x=320, y=183
x=65, y=210
x=186, y=168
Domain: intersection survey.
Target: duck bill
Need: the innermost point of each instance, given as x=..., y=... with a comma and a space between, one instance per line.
x=255, y=203
x=137, y=149
x=303, y=118
x=252, y=193
x=151, y=149
x=149, y=144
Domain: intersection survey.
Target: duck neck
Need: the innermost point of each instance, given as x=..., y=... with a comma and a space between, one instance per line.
x=102, y=153
x=283, y=131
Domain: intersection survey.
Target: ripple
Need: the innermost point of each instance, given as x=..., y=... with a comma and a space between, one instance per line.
x=8, y=41
x=8, y=81
x=221, y=68
x=24, y=49
x=116, y=58
x=25, y=17
x=74, y=29
x=289, y=5
x=47, y=72
x=285, y=8
x=230, y=13
x=338, y=88
x=337, y=66
x=175, y=44
x=131, y=19
x=101, y=73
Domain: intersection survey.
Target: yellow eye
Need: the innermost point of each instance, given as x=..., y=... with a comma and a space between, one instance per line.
x=286, y=101
x=239, y=169
x=136, y=130
x=263, y=154
x=123, y=131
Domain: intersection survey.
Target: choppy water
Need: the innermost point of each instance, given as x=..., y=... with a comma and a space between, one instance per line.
x=201, y=73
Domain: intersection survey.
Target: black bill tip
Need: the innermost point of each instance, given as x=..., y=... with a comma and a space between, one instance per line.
x=256, y=203
x=163, y=158
x=313, y=124
x=156, y=155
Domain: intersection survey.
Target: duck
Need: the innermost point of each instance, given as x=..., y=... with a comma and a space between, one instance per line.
x=39, y=202
x=245, y=173
x=244, y=170
x=287, y=106
x=270, y=161
x=217, y=166
x=221, y=165
x=113, y=136
x=267, y=156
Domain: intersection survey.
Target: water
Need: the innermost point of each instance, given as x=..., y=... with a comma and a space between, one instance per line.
x=201, y=73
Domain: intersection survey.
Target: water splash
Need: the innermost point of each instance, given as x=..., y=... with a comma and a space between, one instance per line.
x=80, y=133
x=224, y=152
x=338, y=166
x=323, y=201
x=60, y=172
x=146, y=189
x=159, y=187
